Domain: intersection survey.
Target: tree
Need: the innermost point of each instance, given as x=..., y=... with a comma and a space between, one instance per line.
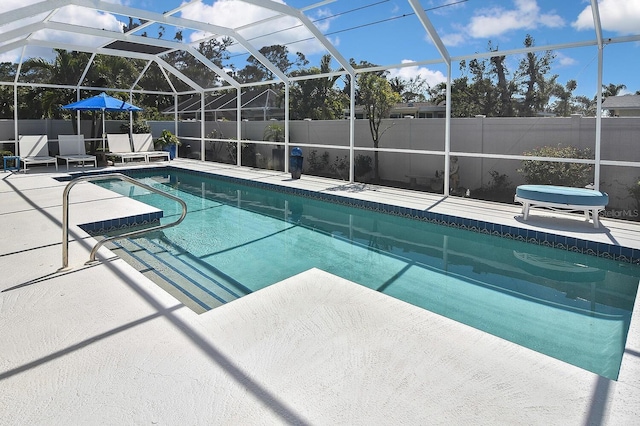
x=7, y=73
x=485, y=87
x=537, y=89
x=585, y=106
x=505, y=89
x=470, y=95
x=377, y=98
x=215, y=50
x=44, y=102
x=462, y=104
x=415, y=89
x=564, y=106
x=398, y=85
x=278, y=55
x=316, y=98
x=612, y=89
x=482, y=92
x=347, y=80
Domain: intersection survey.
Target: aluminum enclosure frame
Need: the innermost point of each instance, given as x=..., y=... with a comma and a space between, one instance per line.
x=21, y=38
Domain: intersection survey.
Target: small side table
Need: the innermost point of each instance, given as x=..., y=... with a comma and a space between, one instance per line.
x=16, y=163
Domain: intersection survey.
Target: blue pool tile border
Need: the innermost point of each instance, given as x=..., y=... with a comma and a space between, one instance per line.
x=605, y=250
x=121, y=223
x=609, y=251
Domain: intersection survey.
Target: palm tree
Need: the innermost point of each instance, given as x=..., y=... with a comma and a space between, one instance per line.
x=612, y=89
x=274, y=133
x=66, y=69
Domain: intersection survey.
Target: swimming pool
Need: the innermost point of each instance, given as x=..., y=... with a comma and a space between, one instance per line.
x=237, y=239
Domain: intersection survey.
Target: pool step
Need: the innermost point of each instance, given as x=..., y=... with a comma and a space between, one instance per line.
x=199, y=290
x=199, y=266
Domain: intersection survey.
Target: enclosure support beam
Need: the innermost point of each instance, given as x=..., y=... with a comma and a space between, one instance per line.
x=598, y=28
x=203, y=124
x=447, y=134
x=442, y=49
x=287, y=86
x=239, y=126
x=352, y=124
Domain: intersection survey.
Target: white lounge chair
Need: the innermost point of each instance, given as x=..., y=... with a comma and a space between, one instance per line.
x=143, y=142
x=72, y=150
x=34, y=149
x=120, y=146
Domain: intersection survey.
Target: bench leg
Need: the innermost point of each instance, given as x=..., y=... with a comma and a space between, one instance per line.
x=525, y=210
x=595, y=218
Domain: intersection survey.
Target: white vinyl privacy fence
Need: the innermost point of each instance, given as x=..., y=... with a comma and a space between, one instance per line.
x=413, y=150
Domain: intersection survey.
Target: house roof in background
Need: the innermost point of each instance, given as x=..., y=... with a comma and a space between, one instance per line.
x=622, y=102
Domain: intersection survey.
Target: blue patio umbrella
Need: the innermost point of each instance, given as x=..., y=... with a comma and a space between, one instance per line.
x=102, y=102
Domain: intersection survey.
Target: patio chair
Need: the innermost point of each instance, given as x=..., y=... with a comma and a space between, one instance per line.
x=72, y=150
x=120, y=146
x=143, y=142
x=34, y=149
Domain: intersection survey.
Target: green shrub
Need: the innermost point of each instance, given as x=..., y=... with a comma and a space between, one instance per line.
x=340, y=167
x=499, y=189
x=317, y=165
x=167, y=138
x=274, y=132
x=364, y=164
x=499, y=181
x=248, y=153
x=557, y=173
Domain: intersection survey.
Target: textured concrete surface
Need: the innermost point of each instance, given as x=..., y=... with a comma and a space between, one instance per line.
x=104, y=345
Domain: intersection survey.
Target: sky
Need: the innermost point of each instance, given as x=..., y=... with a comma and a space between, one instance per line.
x=388, y=32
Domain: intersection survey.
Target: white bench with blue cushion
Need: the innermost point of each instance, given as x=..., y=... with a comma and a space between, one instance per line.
x=562, y=197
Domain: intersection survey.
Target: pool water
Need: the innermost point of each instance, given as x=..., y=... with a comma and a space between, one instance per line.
x=237, y=239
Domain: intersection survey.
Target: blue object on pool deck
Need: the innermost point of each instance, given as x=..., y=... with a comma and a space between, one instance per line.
x=562, y=197
x=16, y=162
x=295, y=163
x=172, y=150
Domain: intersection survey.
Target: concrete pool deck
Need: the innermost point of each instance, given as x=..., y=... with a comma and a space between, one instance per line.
x=102, y=344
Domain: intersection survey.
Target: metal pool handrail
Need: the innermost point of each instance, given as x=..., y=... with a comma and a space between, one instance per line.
x=94, y=251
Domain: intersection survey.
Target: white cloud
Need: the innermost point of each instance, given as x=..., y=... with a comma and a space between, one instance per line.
x=235, y=14
x=9, y=56
x=7, y=5
x=323, y=19
x=620, y=16
x=70, y=15
x=82, y=16
x=453, y=39
x=430, y=76
x=564, y=60
x=498, y=20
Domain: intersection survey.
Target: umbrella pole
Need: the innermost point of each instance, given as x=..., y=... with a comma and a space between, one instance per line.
x=103, y=133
